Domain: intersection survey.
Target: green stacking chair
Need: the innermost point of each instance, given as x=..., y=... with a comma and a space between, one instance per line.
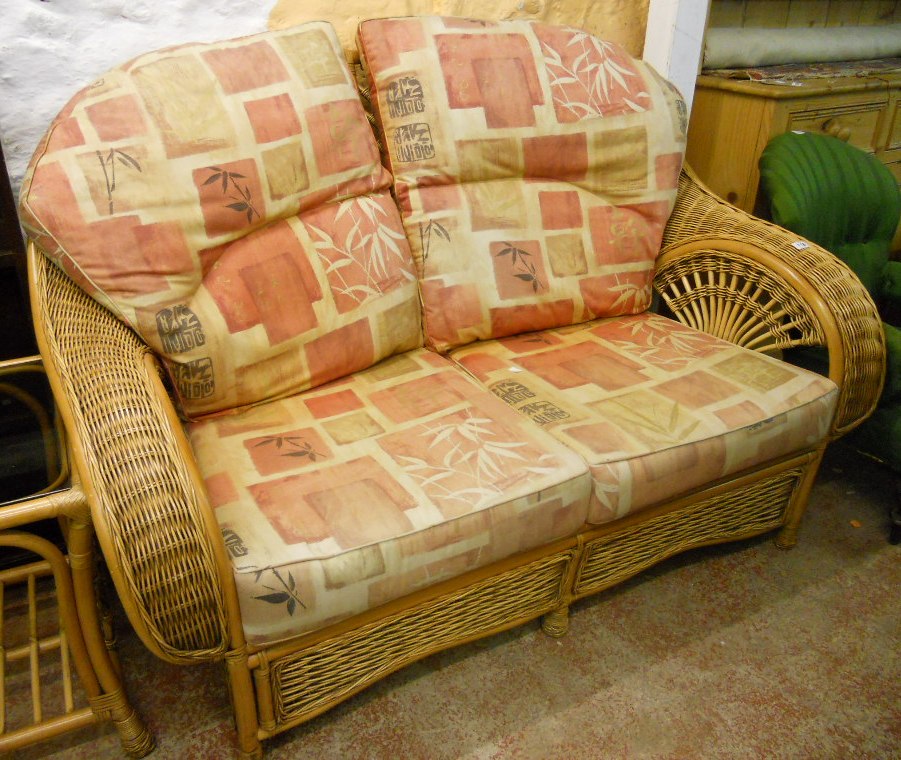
x=845, y=200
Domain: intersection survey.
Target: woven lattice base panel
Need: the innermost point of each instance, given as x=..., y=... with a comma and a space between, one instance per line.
x=747, y=510
x=309, y=682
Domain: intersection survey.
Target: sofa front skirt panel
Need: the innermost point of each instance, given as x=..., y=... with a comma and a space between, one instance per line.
x=346, y=497
x=655, y=408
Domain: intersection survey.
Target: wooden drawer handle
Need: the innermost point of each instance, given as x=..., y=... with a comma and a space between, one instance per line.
x=836, y=128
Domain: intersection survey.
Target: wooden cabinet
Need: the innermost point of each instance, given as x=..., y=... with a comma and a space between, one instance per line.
x=891, y=152
x=733, y=120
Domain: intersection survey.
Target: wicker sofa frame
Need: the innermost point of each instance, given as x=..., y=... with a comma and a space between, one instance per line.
x=719, y=270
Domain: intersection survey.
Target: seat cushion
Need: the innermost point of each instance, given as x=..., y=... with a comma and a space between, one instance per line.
x=655, y=408
x=227, y=201
x=345, y=497
x=535, y=166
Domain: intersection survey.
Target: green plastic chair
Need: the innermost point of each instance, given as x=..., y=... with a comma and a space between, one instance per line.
x=845, y=200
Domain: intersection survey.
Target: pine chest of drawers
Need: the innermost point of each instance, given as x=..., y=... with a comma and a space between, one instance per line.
x=733, y=120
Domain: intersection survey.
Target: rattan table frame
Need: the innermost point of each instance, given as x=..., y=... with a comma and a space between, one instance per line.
x=62, y=578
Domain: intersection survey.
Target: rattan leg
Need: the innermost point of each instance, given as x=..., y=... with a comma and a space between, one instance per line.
x=788, y=535
x=244, y=705
x=556, y=622
x=112, y=704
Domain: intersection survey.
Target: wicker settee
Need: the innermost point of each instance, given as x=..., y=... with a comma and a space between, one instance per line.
x=335, y=410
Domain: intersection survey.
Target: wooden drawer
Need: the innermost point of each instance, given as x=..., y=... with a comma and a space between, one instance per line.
x=857, y=124
x=893, y=140
x=894, y=166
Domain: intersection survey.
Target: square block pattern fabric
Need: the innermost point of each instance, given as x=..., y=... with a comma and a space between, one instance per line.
x=348, y=496
x=227, y=201
x=535, y=167
x=655, y=408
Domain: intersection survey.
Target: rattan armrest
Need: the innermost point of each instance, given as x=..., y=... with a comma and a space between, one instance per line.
x=150, y=512
x=728, y=273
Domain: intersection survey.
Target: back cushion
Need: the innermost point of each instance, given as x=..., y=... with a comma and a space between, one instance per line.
x=228, y=202
x=535, y=167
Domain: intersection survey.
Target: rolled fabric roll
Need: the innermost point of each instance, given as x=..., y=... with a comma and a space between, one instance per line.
x=730, y=47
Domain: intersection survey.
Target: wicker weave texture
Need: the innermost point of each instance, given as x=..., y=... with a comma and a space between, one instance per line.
x=738, y=300
x=832, y=292
x=144, y=508
x=745, y=511
x=310, y=681
x=307, y=682
x=165, y=555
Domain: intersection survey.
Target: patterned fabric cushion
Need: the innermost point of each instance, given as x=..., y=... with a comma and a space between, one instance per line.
x=535, y=166
x=654, y=408
x=345, y=497
x=228, y=202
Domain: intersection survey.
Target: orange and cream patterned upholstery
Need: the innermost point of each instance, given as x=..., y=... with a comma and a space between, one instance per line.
x=535, y=167
x=227, y=201
x=655, y=408
x=345, y=497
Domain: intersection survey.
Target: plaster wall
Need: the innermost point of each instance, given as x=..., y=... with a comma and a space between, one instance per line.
x=52, y=48
x=674, y=41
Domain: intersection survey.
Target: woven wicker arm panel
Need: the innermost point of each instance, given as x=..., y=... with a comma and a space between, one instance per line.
x=154, y=526
x=730, y=274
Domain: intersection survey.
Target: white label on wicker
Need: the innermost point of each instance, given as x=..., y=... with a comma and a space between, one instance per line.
x=800, y=245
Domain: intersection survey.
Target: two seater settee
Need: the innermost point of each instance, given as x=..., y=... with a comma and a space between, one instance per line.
x=348, y=387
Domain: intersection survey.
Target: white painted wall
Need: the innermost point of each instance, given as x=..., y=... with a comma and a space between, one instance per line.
x=49, y=49
x=674, y=41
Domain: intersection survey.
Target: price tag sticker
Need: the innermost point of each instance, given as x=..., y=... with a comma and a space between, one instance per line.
x=800, y=245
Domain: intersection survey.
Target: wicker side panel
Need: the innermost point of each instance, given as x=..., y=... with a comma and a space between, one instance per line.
x=737, y=299
x=142, y=498
x=307, y=682
x=753, y=509
x=699, y=215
